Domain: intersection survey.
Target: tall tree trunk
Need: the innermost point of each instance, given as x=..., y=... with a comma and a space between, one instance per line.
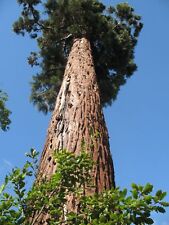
x=77, y=114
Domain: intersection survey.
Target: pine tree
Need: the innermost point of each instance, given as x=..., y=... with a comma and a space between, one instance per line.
x=94, y=45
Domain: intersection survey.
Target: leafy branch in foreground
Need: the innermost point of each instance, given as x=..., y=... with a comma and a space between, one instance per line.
x=4, y=112
x=22, y=205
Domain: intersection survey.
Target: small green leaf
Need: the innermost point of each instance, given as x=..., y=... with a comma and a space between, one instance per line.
x=160, y=194
x=2, y=188
x=149, y=221
x=135, y=193
x=147, y=189
x=134, y=186
x=160, y=209
x=165, y=204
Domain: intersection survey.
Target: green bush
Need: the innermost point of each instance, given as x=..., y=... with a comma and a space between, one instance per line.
x=18, y=203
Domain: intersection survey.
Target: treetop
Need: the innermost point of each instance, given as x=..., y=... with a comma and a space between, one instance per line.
x=54, y=24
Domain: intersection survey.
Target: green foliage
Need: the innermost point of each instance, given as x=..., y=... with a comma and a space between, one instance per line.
x=22, y=205
x=112, y=31
x=4, y=112
x=13, y=206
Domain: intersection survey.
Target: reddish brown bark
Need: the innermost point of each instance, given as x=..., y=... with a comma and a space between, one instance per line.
x=77, y=114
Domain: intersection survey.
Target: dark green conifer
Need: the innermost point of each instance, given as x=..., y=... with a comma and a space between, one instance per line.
x=112, y=31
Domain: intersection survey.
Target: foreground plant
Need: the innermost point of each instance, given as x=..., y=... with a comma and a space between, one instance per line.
x=20, y=204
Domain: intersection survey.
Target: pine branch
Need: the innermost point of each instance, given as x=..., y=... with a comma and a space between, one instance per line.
x=42, y=27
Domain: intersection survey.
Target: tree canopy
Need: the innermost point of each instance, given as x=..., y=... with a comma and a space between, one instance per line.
x=55, y=24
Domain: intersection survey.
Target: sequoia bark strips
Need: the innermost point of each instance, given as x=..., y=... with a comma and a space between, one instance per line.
x=78, y=117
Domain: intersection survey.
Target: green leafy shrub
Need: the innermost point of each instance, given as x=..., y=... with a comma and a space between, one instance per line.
x=22, y=205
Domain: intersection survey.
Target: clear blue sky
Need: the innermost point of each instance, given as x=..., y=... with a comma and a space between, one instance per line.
x=138, y=121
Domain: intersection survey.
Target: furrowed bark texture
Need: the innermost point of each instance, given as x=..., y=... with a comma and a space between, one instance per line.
x=77, y=115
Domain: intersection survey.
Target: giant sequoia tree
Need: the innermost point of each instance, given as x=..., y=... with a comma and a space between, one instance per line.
x=86, y=53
